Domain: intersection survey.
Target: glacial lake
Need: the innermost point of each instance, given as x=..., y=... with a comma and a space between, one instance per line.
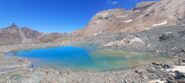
x=79, y=59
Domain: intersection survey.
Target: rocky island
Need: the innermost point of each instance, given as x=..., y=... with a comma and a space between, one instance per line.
x=155, y=28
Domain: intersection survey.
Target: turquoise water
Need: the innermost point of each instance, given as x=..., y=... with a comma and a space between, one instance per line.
x=75, y=58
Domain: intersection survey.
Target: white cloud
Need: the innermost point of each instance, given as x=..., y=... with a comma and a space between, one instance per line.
x=113, y=2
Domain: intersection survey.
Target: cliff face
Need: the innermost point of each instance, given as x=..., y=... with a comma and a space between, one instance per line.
x=144, y=16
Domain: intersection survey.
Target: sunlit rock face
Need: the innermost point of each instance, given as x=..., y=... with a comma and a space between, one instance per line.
x=144, y=16
x=104, y=20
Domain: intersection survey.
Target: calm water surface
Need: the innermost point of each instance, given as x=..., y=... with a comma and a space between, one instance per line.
x=75, y=58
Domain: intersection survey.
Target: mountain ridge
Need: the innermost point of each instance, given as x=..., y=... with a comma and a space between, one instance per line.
x=19, y=35
x=144, y=16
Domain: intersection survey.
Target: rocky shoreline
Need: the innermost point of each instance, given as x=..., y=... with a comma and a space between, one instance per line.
x=17, y=70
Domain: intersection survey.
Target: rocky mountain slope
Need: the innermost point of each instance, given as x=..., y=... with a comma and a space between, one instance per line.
x=10, y=35
x=54, y=37
x=144, y=16
x=15, y=35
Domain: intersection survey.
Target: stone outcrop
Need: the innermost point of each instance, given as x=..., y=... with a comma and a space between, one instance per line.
x=128, y=41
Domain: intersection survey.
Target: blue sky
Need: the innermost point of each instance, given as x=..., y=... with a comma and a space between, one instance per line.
x=55, y=15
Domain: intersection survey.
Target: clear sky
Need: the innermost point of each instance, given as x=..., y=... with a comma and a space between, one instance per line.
x=55, y=15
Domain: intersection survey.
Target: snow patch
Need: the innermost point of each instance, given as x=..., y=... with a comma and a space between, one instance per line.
x=177, y=68
x=159, y=24
x=156, y=81
x=98, y=21
x=109, y=44
x=97, y=33
x=103, y=15
x=168, y=32
x=136, y=39
x=147, y=28
x=127, y=21
x=122, y=16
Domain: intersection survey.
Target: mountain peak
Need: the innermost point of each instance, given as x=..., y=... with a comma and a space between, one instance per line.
x=13, y=25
